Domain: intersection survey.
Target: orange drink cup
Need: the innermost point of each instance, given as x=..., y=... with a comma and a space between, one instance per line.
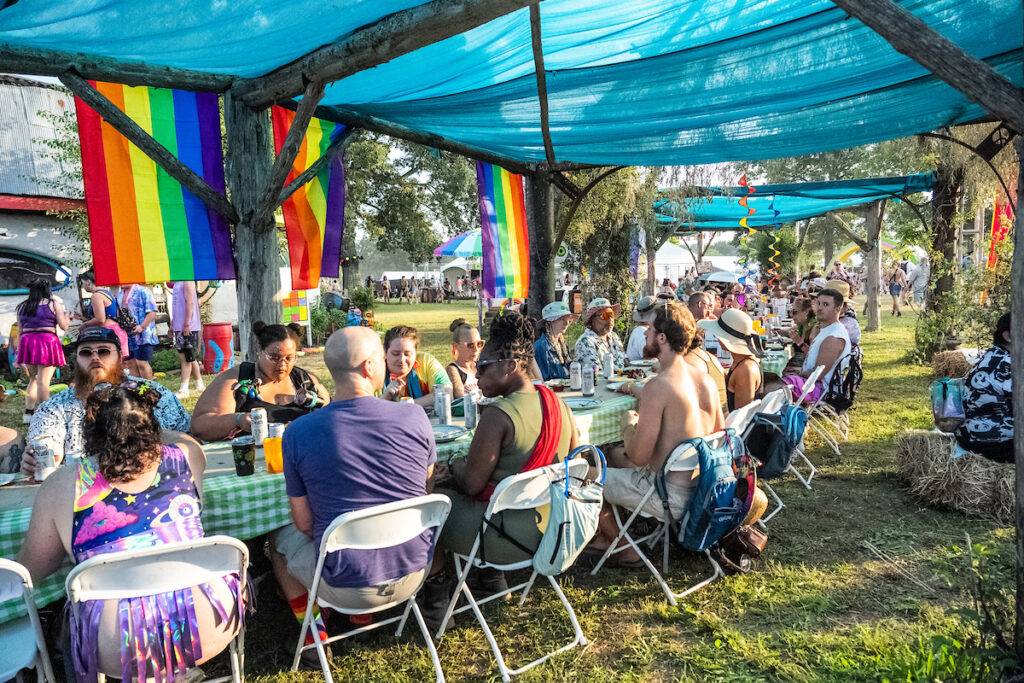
x=272, y=452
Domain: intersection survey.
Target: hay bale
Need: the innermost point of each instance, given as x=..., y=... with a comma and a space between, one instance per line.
x=970, y=484
x=950, y=364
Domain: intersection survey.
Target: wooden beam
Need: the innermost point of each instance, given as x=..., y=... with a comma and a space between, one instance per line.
x=37, y=62
x=289, y=150
x=540, y=207
x=372, y=123
x=175, y=168
x=333, y=150
x=843, y=227
x=575, y=205
x=1017, y=370
x=542, y=83
x=392, y=36
x=914, y=38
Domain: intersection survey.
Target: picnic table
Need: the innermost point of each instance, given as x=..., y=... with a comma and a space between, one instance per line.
x=247, y=507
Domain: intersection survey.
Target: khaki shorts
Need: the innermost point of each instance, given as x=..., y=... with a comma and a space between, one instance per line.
x=299, y=552
x=626, y=487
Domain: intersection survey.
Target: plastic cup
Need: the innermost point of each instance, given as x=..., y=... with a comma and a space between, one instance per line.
x=272, y=452
x=243, y=452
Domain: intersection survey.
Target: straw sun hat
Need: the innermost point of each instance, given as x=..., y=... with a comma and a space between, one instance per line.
x=735, y=331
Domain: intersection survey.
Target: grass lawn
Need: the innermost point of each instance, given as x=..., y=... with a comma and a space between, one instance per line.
x=820, y=605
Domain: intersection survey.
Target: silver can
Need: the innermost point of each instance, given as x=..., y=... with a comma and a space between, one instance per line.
x=260, y=428
x=588, y=381
x=469, y=409
x=45, y=454
x=443, y=404
x=276, y=430
x=575, y=376
x=608, y=365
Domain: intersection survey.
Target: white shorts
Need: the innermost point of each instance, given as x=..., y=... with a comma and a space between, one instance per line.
x=626, y=487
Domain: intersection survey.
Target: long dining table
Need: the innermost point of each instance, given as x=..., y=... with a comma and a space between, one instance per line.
x=247, y=507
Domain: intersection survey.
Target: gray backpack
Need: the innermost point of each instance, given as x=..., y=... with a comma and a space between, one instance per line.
x=572, y=519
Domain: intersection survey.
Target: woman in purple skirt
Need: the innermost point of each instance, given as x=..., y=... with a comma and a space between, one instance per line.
x=39, y=348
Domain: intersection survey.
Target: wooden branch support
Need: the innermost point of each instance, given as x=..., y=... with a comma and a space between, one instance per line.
x=848, y=231
x=123, y=123
x=335, y=148
x=542, y=84
x=392, y=36
x=575, y=205
x=914, y=38
x=289, y=150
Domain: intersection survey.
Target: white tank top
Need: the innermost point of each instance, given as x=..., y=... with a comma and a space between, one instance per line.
x=836, y=329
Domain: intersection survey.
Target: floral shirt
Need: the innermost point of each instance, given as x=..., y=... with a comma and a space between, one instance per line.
x=61, y=417
x=988, y=400
x=591, y=349
x=139, y=300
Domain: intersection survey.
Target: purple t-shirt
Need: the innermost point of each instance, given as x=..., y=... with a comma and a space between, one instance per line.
x=353, y=454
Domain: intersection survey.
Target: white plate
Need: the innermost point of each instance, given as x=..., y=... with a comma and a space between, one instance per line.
x=6, y=479
x=580, y=403
x=644, y=363
x=445, y=433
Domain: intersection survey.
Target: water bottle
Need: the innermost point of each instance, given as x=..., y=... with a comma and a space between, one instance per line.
x=588, y=381
x=469, y=408
x=575, y=376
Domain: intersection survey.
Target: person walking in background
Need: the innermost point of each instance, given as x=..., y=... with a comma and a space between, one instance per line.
x=39, y=349
x=185, y=326
x=142, y=342
x=101, y=311
x=896, y=280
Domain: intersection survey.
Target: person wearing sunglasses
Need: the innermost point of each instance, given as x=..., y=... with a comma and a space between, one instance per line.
x=466, y=345
x=599, y=338
x=272, y=382
x=411, y=372
x=97, y=358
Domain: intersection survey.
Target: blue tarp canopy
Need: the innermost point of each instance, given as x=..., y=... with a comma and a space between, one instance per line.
x=784, y=203
x=654, y=82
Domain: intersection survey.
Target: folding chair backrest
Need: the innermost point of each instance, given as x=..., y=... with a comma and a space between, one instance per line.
x=388, y=525
x=773, y=402
x=740, y=418
x=14, y=579
x=809, y=384
x=527, y=490
x=159, y=569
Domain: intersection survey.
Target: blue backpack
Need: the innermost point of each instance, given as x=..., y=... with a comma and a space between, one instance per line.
x=774, y=437
x=713, y=510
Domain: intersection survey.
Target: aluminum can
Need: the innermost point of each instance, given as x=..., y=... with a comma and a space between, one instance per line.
x=469, y=408
x=276, y=430
x=443, y=404
x=575, y=376
x=608, y=365
x=588, y=381
x=45, y=454
x=260, y=424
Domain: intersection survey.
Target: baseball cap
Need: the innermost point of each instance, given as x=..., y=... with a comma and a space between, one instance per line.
x=97, y=335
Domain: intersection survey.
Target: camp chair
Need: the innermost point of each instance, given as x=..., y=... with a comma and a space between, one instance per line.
x=741, y=418
x=801, y=450
x=833, y=409
x=377, y=527
x=772, y=403
x=21, y=640
x=162, y=569
x=682, y=458
x=523, y=491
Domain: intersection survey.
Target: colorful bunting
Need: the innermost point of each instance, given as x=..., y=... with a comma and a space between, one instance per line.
x=743, y=223
x=773, y=272
x=314, y=217
x=143, y=225
x=504, y=237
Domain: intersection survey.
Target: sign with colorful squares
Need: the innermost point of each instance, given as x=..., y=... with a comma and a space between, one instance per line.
x=296, y=307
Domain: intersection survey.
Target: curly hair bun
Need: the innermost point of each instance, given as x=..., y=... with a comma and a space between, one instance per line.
x=512, y=336
x=258, y=326
x=296, y=328
x=457, y=323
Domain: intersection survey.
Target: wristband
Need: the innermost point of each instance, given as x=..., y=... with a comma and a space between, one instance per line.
x=238, y=420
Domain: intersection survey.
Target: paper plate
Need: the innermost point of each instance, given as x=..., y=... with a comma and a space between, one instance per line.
x=6, y=479
x=445, y=433
x=580, y=403
x=644, y=363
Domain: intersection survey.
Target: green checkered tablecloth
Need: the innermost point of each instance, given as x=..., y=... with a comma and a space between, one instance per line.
x=775, y=361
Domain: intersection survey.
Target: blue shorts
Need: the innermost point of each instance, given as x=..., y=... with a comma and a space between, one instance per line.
x=143, y=352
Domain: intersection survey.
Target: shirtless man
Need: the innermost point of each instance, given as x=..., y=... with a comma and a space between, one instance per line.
x=679, y=403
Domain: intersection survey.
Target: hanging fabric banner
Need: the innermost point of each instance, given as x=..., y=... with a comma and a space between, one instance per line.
x=505, y=242
x=314, y=217
x=144, y=226
x=1002, y=219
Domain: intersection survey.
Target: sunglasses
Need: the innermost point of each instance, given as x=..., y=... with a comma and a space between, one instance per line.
x=607, y=314
x=478, y=344
x=482, y=364
x=101, y=352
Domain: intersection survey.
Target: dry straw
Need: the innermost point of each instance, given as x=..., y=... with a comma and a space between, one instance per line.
x=970, y=484
x=949, y=364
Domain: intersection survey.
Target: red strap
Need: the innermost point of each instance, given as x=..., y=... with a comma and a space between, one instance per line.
x=547, y=444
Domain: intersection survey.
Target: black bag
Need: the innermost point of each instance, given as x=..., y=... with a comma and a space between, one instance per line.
x=123, y=317
x=842, y=388
x=773, y=439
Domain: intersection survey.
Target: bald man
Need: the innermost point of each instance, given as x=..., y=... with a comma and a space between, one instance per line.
x=356, y=452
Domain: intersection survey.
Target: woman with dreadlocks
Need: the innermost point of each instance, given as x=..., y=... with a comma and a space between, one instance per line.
x=525, y=428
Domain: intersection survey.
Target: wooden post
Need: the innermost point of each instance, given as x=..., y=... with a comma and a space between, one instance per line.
x=248, y=162
x=873, y=261
x=1017, y=370
x=540, y=218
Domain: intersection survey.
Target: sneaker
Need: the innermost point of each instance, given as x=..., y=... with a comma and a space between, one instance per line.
x=309, y=659
x=200, y=385
x=485, y=582
x=26, y=417
x=433, y=601
x=182, y=392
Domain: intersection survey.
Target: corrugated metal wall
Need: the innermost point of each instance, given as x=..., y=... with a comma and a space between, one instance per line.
x=24, y=170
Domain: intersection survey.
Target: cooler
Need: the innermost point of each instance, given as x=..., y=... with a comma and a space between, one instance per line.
x=218, y=345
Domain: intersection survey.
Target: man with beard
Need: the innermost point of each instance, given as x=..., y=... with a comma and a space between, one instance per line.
x=97, y=359
x=677, y=404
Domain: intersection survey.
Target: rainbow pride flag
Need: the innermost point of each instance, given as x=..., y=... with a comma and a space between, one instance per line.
x=144, y=226
x=314, y=217
x=505, y=242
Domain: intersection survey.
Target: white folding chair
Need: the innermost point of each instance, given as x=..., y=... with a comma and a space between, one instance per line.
x=741, y=418
x=682, y=459
x=373, y=528
x=21, y=640
x=770, y=404
x=523, y=491
x=818, y=417
x=801, y=449
x=162, y=569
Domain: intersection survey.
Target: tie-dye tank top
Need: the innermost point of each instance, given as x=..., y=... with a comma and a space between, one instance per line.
x=108, y=520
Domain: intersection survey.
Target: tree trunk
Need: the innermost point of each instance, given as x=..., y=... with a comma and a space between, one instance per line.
x=540, y=212
x=651, y=249
x=800, y=236
x=350, y=267
x=873, y=261
x=830, y=245
x=945, y=199
x=1017, y=370
x=248, y=162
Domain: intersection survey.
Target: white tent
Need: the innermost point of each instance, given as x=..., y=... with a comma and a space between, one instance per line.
x=672, y=261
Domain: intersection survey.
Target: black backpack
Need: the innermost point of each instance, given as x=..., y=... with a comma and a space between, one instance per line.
x=774, y=437
x=842, y=388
